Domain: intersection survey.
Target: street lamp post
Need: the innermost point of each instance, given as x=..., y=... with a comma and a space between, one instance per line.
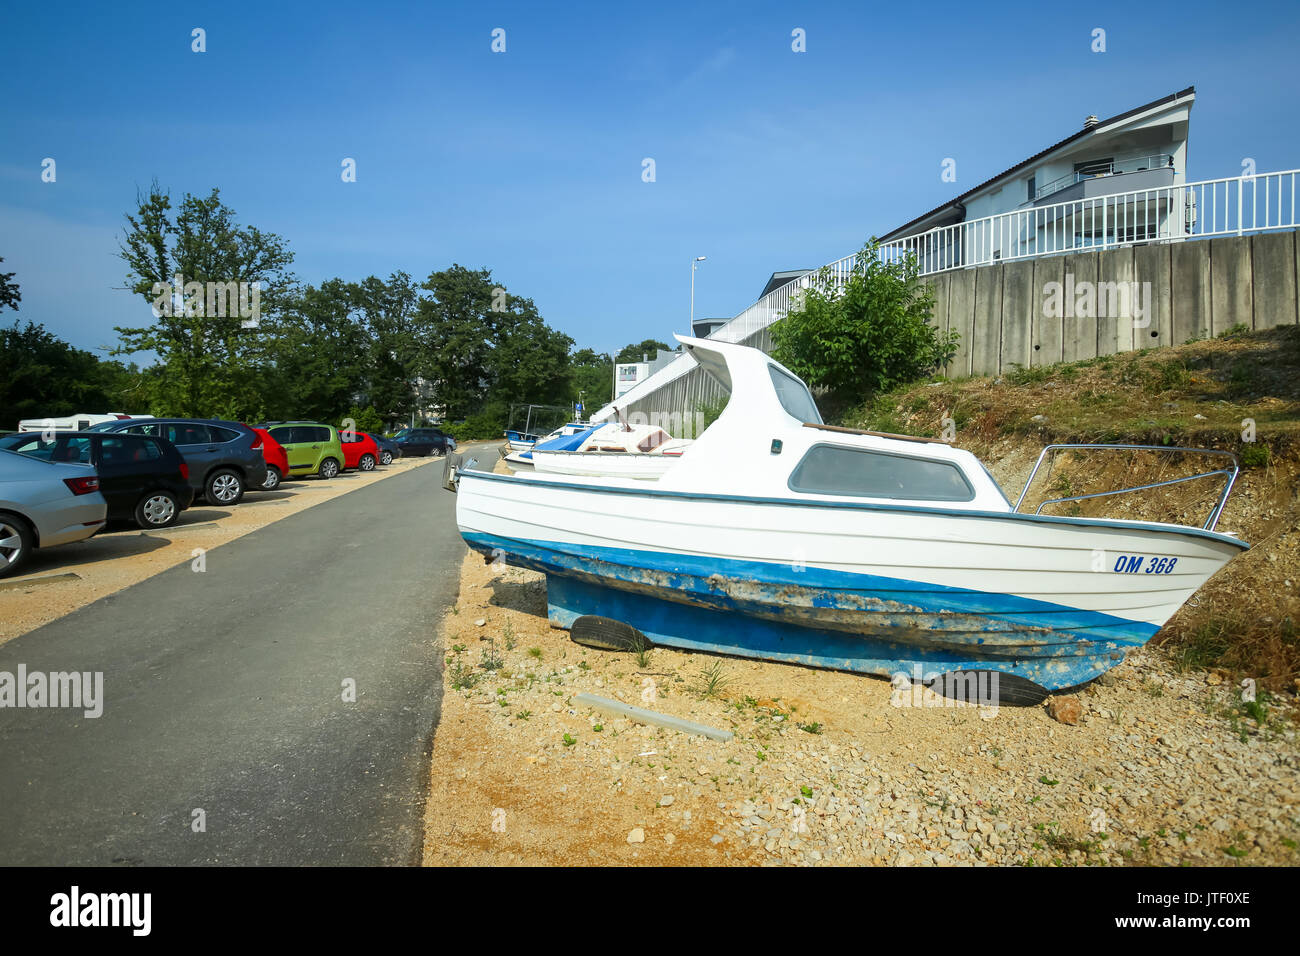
x=693, y=262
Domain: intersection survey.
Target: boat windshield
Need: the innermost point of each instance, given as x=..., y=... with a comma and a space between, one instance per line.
x=794, y=397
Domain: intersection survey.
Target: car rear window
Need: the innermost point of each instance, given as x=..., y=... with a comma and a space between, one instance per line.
x=71, y=449
x=125, y=449
x=154, y=429
x=220, y=434
x=187, y=433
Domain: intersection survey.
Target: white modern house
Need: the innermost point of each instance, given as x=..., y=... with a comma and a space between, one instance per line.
x=1139, y=153
x=1112, y=183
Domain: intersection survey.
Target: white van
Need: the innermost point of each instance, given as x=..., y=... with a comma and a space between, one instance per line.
x=79, y=422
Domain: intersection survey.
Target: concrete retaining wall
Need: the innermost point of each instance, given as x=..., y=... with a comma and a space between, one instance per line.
x=1187, y=290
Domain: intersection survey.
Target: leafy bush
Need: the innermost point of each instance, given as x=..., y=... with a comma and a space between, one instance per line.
x=868, y=336
x=481, y=426
x=366, y=420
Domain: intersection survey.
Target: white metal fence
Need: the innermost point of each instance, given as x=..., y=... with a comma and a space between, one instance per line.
x=1211, y=207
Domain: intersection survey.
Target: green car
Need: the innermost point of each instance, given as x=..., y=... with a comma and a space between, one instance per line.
x=312, y=448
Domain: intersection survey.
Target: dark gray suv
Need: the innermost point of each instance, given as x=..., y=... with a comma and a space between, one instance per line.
x=224, y=458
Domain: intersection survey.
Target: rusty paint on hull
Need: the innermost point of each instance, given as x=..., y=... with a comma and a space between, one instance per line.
x=824, y=619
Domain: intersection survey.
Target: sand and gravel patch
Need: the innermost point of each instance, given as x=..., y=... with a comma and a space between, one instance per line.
x=1164, y=767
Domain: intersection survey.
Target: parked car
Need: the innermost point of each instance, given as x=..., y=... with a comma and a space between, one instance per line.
x=312, y=448
x=388, y=449
x=277, y=460
x=43, y=504
x=224, y=458
x=144, y=480
x=360, y=452
x=424, y=441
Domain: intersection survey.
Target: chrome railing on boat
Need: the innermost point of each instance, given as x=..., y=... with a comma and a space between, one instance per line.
x=1210, y=522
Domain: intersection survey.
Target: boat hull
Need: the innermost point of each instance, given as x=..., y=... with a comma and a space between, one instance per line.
x=853, y=588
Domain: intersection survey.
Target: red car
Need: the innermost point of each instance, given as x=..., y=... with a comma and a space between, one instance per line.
x=360, y=452
x=277, y=462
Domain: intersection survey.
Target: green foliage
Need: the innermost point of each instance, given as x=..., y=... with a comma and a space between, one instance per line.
x=593, y=378
x=708, y=412
x=46, y=377
x=638, y=350
x=366, y=420
x=383, y=352
x=1255, y=455
x=485, y=348
x=9, y=294
x=868, y=336
x=207, y=363
x=317, y=349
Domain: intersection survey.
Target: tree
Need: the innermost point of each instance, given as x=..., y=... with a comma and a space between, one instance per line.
x=390, y=310
x=208, y=362
x=634, y=352
x=453, y=335
x=45, y=377
x=318, y=352
x=869, y=335
x=9, y=294
x=593, y=377
x=484, y=349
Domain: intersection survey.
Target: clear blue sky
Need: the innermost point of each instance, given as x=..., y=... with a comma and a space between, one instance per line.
x=529, y=162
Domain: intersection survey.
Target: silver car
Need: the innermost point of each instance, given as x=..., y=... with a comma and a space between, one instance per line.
x=44, y=503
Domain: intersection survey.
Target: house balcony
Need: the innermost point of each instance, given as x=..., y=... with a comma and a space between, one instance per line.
x=1150, y=172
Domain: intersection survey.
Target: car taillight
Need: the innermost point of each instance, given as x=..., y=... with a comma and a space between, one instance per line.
x=185, y=471
x=257, y=439
x=82, y=486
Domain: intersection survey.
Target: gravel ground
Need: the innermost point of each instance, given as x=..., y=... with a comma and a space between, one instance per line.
x=1162, y=768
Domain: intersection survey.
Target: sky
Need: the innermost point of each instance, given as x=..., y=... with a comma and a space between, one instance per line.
x=530, y=162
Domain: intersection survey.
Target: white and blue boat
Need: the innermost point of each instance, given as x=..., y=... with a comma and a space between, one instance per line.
x=780, y=537
x=519, y=441
x=564, y=438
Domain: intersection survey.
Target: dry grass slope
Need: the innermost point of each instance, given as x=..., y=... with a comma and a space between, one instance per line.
x=1202, y=394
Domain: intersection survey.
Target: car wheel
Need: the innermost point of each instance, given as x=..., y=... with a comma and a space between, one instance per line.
x=15, y=544
x=385, y=457
x=367, y=463
x=272, y=478
x=224, y=488
x=158, y=509
x=329, y=468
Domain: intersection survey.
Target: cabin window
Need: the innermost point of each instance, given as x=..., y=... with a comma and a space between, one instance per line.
x=794, y=397
x=862, y=473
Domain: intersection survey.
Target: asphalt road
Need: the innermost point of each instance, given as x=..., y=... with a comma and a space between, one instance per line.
x=223, y=692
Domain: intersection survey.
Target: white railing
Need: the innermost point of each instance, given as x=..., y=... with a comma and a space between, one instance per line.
x=1211, y=207
x=1097, y=170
